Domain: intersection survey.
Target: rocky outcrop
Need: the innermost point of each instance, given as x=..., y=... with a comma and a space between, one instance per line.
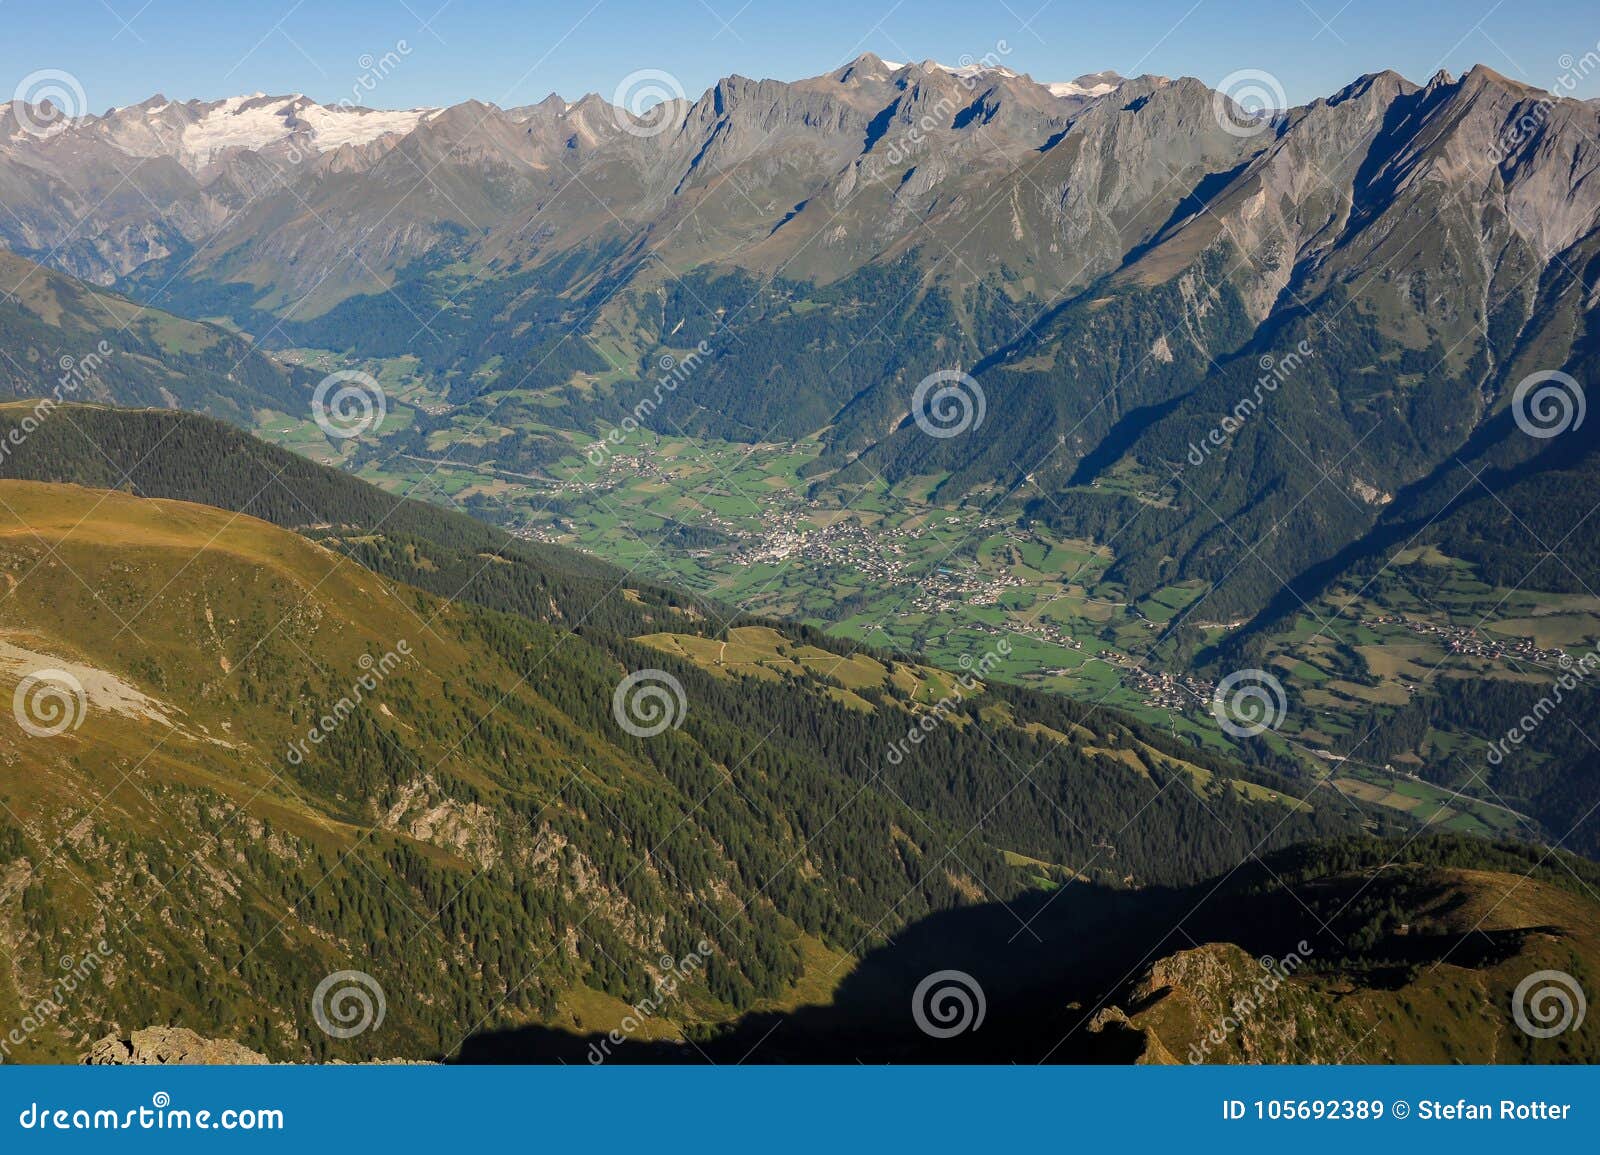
x=170, y=1046
x=179, y=1046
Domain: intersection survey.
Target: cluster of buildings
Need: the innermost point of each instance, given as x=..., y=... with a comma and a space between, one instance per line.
x=1168, y=691
x=1475, y=644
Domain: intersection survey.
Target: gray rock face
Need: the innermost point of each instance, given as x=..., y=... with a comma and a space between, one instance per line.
x=282, y=185
x=167, y=1046
x=1052, y=183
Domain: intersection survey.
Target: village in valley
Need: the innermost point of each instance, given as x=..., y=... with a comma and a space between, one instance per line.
x=767, y=529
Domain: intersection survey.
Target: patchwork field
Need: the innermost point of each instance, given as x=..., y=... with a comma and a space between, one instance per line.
x=767, y=529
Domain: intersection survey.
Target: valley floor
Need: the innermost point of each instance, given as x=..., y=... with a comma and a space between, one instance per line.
x=894, y=567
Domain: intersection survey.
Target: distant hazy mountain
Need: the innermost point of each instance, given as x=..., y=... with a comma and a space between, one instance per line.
x=273, y=184
x=66, y=340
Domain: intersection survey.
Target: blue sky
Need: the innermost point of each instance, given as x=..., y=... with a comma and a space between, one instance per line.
x=122, y=51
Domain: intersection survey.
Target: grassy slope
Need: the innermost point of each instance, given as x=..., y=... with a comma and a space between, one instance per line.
x=225, y=622
x=1437, y=987
x=179, y=455
x=479, y=834
x=76, y=342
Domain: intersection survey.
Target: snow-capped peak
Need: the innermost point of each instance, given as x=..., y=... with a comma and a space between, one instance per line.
x=1073, y=88
x=1091, y=85
x=198, y=134
x=964, y=71
x=260, y=122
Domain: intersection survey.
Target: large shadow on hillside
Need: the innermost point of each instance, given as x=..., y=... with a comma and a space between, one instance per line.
x=1042, y=983
x=1030, y=975
x=1047, y=966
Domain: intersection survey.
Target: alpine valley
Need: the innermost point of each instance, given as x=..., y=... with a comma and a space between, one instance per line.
x=951, y=444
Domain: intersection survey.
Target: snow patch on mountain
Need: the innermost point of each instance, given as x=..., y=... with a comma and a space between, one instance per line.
x=1073, y=88
x=333, y=127
x=964, y=71
x=1091, y=85
x=258, y=122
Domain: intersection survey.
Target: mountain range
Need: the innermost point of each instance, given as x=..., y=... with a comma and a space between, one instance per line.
x=1259, y=356
x=1257, y=353
x=1113, y=266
